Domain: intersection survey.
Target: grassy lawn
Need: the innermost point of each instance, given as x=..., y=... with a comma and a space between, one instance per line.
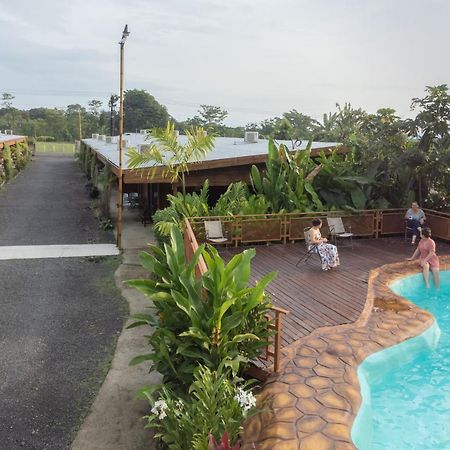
x=55, y=147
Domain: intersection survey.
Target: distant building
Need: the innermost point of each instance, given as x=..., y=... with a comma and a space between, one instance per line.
x=10, y=139
x=229, y=161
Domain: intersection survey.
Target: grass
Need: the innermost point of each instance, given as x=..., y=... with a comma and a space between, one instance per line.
x=55, y=147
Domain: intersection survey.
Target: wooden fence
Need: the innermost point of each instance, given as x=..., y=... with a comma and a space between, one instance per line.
x=275, y=318
x=288, y=227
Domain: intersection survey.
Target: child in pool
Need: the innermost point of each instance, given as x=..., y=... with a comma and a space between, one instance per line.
x=428, y=259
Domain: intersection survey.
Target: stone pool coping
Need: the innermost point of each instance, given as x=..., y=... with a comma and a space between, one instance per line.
x=312, y=402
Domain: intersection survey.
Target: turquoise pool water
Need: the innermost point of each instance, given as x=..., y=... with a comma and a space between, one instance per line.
x=406, y=388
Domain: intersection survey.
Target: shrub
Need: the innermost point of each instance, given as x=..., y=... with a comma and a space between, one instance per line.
x=212, y=320
x=8, y=165
x=216, y=408
x=163, y=220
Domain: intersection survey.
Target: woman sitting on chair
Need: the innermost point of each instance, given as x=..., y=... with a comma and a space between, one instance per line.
x=415, y=218
x=328, y=252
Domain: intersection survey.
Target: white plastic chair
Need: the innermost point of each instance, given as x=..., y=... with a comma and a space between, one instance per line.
x=337, y=229
x=214, y=232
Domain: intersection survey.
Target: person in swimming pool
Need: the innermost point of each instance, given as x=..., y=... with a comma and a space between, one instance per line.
x=426, y=250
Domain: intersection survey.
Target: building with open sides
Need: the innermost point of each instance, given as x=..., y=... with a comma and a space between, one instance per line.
x=229, y=161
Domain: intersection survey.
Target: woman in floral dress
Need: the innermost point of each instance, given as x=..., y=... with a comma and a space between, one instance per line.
x=328, y=252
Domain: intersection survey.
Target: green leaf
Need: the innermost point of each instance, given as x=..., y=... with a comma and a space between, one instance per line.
x=141, y=358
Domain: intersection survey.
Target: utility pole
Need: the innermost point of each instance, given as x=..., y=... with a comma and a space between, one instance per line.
x=80, y=134
x=125, y=34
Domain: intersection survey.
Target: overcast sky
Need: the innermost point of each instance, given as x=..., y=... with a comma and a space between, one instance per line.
x=255, y=58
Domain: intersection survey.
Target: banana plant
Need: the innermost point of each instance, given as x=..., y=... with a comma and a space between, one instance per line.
x=286, y=182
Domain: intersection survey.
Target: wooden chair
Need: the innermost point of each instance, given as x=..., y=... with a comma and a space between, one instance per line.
x=214, y=232
x=311, y=249
x=337, y=230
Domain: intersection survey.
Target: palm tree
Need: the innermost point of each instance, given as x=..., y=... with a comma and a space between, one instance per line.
x=165, y=150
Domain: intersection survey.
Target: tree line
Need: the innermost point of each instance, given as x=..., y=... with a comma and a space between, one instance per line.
x=416, y=150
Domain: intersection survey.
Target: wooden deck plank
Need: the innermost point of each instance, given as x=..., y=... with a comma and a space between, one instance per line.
x=314, y=298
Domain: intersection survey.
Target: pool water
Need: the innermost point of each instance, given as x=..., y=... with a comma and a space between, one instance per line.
x=410, y=404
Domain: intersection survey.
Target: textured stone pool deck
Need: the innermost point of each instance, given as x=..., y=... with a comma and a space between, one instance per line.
x=312, y=402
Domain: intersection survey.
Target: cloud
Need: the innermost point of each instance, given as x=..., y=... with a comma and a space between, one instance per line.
x=255, y=58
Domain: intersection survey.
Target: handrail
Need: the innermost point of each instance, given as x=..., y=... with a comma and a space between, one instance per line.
x=286, y=227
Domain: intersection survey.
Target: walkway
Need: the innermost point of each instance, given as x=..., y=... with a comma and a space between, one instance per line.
x=59, y=317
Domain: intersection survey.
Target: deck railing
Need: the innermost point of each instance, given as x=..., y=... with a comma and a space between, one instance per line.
x=275, y=319
x=288, y=227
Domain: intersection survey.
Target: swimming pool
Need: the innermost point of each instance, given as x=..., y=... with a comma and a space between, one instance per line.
x=406, y=388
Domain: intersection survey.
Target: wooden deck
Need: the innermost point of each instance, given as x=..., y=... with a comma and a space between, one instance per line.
x=316, y=298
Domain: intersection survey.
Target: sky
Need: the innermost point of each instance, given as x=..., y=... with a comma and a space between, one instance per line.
x=254, y=58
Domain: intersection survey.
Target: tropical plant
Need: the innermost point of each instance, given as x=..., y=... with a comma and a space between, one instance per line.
x=167, y=151
x=215, y=408
x=237, y=200
x=189, y=205
x=8, y=165
x=431, y=130
x=212, y=320
x=105, y=179
x=286, y=182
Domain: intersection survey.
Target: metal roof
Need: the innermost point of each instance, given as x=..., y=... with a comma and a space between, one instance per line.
x=10, y=137
x=224, y=147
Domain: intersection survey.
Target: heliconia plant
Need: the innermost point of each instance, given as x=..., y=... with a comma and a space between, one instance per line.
x=224, y=443
x=215, y=319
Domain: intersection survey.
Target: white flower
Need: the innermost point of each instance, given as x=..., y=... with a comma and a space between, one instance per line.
x=245, y=399
x=159, y=408
x=179, y=406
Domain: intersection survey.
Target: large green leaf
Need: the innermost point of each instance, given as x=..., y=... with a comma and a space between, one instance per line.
x=359, y=199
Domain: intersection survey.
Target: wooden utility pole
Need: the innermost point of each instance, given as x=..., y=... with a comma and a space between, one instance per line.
x=125, y=34
x=80, y=134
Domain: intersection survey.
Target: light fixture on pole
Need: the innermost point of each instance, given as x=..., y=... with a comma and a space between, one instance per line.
x=125, y=34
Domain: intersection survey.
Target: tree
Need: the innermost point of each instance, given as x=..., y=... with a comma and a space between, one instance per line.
x=94, y=107
x=141, y=110
x=209, y=117
x=212, y=116
x=112, y=103
x=166, y=150
x=302, y=125
x=431, y=130
x=10, y=116
x=7, y=100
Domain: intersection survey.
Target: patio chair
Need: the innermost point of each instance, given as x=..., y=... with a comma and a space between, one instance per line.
x=337, y=230
x=311, y=249
x=410, y=230
x=214, y=232
x=132, y=199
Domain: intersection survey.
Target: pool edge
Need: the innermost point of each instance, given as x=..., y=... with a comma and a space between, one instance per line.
x=314, y=400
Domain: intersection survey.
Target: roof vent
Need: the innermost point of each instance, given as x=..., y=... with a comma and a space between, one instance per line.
x=108, y=139
x=125, y=143
x=143, y=131
x=251, y=137
x=94, y=135
x=101, y=137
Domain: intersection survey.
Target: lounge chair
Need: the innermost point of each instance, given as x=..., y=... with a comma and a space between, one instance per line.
x=214, y=232
x=337, y=230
